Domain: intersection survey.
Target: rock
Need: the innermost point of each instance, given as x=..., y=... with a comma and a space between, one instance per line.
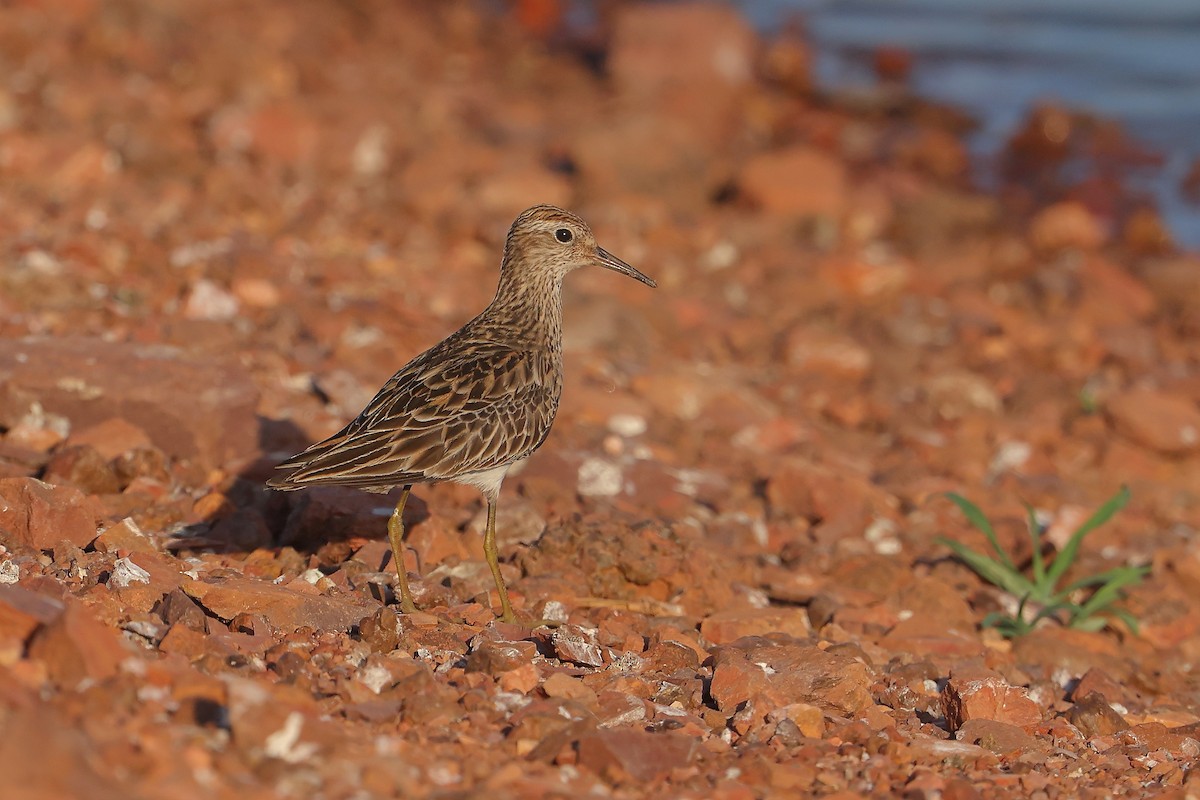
x=111, y=437
x=76, y=646
x=976, y=693
x=83, y=467
x=724, y=627
x=799, y=181
x=1163, y=422
x=191, y=408
x=1066, y=225
x=125, y=535
x=624, y=754
x=52, y=757
x=495, y=657
x=329, y=513
x=777, y=672
x=1002, y=738
x=285, y=606
x=576, y=646
x=1095, y=717
x=560, y=684
x=40, y=515
x=23, y=611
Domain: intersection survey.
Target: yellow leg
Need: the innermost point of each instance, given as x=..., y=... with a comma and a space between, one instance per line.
x=489, y=551
x=396, y=539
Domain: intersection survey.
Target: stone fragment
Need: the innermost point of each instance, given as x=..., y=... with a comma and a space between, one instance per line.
x=1163, y=422
x=799, y=181
x=495, y=657
x=125, y=535
x=285, y=607
x=1002, y=738
x=22, y=611
x=76, y=646
x=1066, y=225
x=977, y=693
x=191, y=408
x=724, y=627
x=83, y=467
x=111, y=437
x=574, y=645
x=625, y=754
x=1093, y=715
x=51, y=757
x=779, y=671
x=40, y=515
x=330, y=513
x=560, y=684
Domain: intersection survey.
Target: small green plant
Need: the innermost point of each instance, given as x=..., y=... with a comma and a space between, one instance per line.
x=1039, y=595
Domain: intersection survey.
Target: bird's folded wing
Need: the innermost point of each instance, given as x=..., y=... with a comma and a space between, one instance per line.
x=442, y=415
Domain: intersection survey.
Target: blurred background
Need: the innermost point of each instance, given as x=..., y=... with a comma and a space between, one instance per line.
x=1135, y=63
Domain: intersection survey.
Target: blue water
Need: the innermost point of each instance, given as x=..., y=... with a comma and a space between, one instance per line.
x=1135, y=61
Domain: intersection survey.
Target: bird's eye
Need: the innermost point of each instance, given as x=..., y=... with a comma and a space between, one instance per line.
x=563, y=235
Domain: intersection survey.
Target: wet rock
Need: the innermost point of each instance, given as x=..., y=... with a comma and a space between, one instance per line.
x=975, y=693
x=40, y=515
x=190, y=408
x=1163, y=422
x=776, y=672
x=624, y=755
x=286, y=607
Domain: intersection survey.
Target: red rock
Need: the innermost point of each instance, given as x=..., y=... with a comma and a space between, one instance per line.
x=799, y=181
x=76, y=646
x=201, y=409
x=331, y=513
x=22, y=611
x=285, y=607
x=773, y=673
x=125, y=536
x=51, y=758
x=1093, y=716
x=1003, y=739
x=1158, y=420
x=623, y=755
x=40, y=515
x=83, y=467
x=495, y=657
x=724, y=627
x=560, y=684
x=1066, y=225
x=975, y=693
x=111, y=437
x=577, y=646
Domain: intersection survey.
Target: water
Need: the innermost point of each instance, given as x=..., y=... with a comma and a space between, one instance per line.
x=1135, y=62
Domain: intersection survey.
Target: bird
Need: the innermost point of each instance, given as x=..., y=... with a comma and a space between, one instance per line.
x=476, y=404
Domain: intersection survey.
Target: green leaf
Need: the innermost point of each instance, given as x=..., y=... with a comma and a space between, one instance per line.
x=1110, y=592
x=1129, y=620
x=976, y=518
x=1127, y=575
x=1066, y=557
x=1090, y=624
x=995, y=573
x=1035, y=537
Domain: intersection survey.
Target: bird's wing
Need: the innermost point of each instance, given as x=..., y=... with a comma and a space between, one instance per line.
x=450, y=411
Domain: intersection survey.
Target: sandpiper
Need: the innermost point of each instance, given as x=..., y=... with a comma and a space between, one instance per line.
x=478, y=402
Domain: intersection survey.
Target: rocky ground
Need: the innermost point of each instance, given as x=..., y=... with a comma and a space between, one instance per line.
x=223, y=225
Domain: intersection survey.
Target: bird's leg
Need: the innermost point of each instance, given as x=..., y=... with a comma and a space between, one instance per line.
x=396, y=539
x=489, y=550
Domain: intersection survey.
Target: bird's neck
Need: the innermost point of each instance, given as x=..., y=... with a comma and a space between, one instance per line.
x=529, y=308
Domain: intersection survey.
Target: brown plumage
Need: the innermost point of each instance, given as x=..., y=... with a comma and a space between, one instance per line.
x=479, y=401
